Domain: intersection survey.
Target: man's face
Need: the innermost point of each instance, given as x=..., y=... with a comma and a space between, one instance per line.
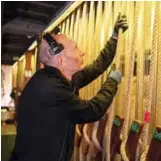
x=73, y=56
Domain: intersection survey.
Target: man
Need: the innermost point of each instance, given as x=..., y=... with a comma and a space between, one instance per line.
x=49, y=107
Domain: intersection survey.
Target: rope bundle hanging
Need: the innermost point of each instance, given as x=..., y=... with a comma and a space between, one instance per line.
x=84, y=21
x=86, y=141
x=78, y=127
x=67, y=27
x=83, y=38
x=90, y=49
x=95, y=146
x=107, y=28
x=127, y=105
x=150, y=84
x=140, y=67
x=111, y=110
x=158, y=101
x=71, y=26
x=140, y=73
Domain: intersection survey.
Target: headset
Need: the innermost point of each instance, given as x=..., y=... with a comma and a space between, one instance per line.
x=55, y=47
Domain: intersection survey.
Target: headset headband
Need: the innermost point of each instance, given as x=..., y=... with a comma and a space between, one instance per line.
x=55, y=47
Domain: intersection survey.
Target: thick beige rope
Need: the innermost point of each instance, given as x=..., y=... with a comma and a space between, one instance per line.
x=111, y=110
x=127, y=105
x=158, y=101
x=76, y=38
x=140, y=73
x=97, y=83
x=150, y=84
x=107, y=28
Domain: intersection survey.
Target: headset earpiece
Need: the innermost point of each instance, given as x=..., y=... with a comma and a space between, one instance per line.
x=55, y=47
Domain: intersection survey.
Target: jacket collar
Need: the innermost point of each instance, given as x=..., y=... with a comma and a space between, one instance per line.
x=56, y=73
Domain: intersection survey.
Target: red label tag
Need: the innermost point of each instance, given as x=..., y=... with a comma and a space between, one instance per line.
x=147, y=117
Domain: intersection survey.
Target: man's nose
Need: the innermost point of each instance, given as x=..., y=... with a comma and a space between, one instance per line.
x=82, y=54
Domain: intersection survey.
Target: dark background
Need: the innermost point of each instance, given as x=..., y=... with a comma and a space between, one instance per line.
x=20, y=21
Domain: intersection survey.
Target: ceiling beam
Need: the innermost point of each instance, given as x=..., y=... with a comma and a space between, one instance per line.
x=14, y=47
x=8, y=55
x=7, y=59
x=14, y=39
x=15, y=42
x=23, y=27
x=41, y=4
x=15, y=51
x=13, y=35
x=32, y=13
x=7, y=62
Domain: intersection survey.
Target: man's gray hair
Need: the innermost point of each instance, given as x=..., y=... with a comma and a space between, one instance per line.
x=44, y=55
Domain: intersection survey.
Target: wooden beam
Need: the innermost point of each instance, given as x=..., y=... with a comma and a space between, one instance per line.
x=42, y=4
x=32, y=13
x=22, y=27
x=65, y=13
x=14, y=46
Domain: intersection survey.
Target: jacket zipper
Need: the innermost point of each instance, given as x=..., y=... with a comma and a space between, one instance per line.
x=62, y=149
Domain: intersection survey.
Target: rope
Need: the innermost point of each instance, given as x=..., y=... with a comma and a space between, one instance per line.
x=84, y=39
x=94, y=136
x=107, y=28
x=111, y=110
x=90, y=49
x=63, y=28
x=140, y=74
x=76, y=29
x=85, y=135
x=140, y=66
x=72, y=26
x=97, y=83
x=88, y=24
x=75, y=37
x=67, y=27
x=147, y=46
x=97, y=40
x=108, y=133
x=127, y=104
x=150, y=84
x=158, y=101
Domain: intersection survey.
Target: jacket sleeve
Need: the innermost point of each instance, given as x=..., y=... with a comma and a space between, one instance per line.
x=92, y=71
x=86, y=111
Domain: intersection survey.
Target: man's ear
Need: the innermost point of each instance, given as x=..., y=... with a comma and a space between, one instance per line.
x=61, y=61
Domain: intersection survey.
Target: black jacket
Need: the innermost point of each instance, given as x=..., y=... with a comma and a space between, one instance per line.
x=49, y=109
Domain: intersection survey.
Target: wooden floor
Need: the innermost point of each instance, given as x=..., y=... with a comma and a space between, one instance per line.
x=8, y=133
x=8, y=129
